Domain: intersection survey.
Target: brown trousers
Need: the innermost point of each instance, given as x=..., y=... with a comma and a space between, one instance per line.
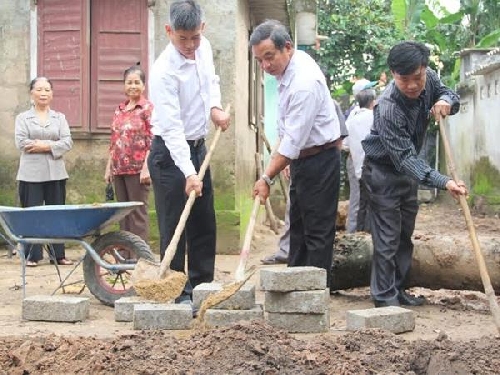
x=127, y=189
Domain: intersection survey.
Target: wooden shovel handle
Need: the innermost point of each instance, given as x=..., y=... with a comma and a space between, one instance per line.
x=269, y=209
x=245, y=250
x=485, y=277
x=172, y=246
x=281, y=179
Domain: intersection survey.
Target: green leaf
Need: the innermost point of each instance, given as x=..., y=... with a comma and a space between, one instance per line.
x=398, y=8
x=414, y=11
x=436, y=38
x=489, y=40
x=428, y=17
x=452, y=18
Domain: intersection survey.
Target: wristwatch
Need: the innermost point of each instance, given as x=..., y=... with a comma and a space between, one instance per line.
x=267, y=179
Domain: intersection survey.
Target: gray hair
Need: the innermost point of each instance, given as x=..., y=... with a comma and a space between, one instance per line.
x=185, y=15
x=366, y=97
x=271, y=29
x=135, y=69
x=40, y=78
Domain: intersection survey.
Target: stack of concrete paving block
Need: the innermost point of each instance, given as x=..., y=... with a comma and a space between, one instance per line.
x=240, y=306
x=59, y=308
x=296, y=299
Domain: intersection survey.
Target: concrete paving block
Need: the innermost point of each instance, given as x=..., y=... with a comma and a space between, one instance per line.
x=219, y=318
x=300, y=323
x=162, y=316
x=59, y=308
x=392, y=318
x=124, y=307
x=291, y=279
x=243, y=299
x=301, y=302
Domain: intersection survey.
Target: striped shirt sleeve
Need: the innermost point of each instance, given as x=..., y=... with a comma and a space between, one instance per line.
x=399, y=129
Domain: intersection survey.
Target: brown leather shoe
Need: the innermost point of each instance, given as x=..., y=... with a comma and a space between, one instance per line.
x=273, y=259
x=64, y=262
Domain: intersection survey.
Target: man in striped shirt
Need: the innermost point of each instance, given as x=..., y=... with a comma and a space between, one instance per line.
x=392, y=170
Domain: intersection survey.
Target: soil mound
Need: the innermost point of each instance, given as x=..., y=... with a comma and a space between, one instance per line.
x=248, y=348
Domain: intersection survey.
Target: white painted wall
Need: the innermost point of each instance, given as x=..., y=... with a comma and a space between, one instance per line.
x=475, y=131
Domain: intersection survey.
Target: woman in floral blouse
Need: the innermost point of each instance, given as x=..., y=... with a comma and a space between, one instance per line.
x=129, y=150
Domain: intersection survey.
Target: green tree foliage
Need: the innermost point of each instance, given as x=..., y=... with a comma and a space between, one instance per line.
x=416, y=21
x=360, y=34
x=476, y=24
x=482, y=22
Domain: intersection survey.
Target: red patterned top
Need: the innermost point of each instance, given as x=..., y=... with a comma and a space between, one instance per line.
x=130, y=137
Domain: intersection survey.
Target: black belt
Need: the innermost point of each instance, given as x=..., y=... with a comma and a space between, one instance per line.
x=196, y=142
x=314, y=150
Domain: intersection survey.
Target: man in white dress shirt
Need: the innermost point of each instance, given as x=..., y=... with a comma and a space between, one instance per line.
x=185, y=92
x=310, y=136
x=358, y=124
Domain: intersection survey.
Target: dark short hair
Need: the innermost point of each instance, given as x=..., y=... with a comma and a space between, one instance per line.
x=406, y=57
x=270, y=29
x=134, y=69
x=185, y=15
x=36, y=79
x=366, y=97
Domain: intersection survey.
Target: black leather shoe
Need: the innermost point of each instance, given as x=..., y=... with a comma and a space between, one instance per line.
x=272, y=259
x=385, y=303
x=410, y=300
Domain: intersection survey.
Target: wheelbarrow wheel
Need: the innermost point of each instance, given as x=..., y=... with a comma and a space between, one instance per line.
x=115, y=248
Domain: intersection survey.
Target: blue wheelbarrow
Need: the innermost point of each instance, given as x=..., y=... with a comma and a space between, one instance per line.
x=107, y=262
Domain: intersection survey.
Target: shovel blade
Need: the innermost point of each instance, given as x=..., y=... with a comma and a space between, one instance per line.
x=149, y=285
x=162, y=290
x=145, y=270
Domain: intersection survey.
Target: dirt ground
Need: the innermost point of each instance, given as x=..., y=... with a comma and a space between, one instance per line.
x=454, y=334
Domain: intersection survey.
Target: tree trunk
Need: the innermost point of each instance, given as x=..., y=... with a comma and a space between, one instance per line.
x=438, y=262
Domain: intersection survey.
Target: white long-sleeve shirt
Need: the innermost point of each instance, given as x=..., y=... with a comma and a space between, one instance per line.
x=358, y=125
x=183, y=91
x=307, y=115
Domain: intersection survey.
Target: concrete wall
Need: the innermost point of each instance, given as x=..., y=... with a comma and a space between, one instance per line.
x=473, y=133
x=14, y=75
x=232, y=165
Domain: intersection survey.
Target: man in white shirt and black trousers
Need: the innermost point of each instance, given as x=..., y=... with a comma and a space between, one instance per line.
x=310, y=143
x=185, y=92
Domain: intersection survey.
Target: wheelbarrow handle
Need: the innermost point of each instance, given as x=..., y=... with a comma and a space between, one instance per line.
x=172, y=246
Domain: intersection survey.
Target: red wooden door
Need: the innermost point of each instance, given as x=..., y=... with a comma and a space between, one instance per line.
x=83, y=47
x=63, y=56
x=119, y=40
